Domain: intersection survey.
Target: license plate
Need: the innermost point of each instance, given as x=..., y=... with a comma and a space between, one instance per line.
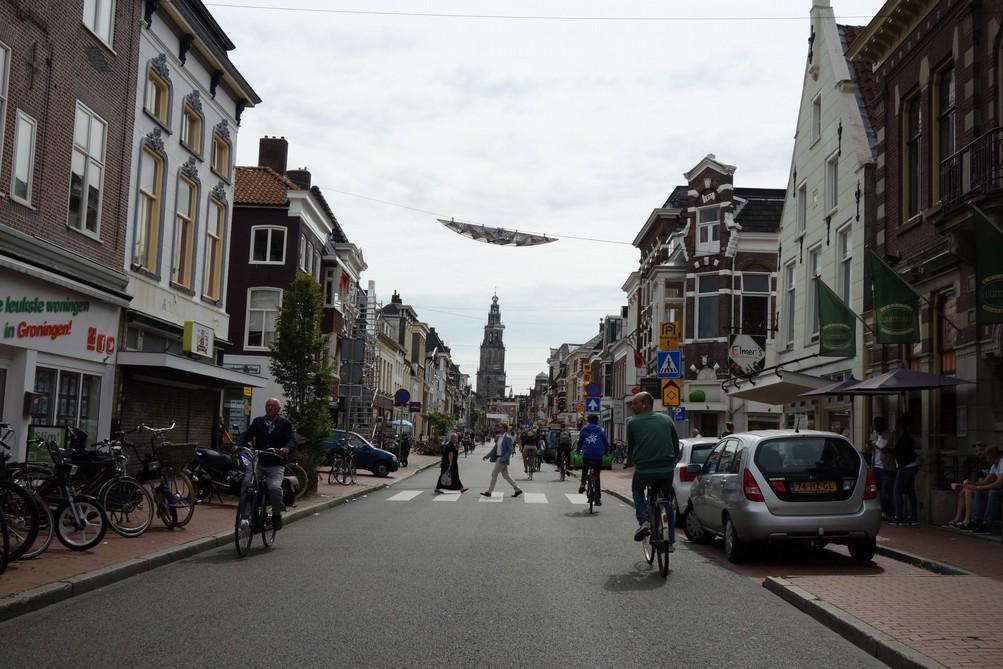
x=815, y=486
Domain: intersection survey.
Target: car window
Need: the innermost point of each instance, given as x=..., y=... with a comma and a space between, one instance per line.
x=699, y=453
x=807, y=455
x=736, y=460
x=357, y=442
x=710, y=466
x=724, y=467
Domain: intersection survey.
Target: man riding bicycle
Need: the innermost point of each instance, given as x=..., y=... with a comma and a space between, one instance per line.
x=529, y=452
x=563, y=448
x=593, y=446
x=653, y=447
x=271, y=431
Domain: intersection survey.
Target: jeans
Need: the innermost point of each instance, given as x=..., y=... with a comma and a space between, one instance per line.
x=641, y=503
x=271, y=477
x=886, y=490
x=501, y=468
x=905, y=494
x=986, y=509
x=597, y=464
x=405, y=451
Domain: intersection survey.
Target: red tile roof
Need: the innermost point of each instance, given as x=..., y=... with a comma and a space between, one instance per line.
x=261, y=185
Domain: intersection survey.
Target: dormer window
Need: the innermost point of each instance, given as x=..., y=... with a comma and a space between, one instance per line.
x=709, y=230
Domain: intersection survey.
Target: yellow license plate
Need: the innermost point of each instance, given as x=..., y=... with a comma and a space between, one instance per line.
x=815, y=486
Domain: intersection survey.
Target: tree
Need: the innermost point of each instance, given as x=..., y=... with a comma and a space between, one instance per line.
x=300, y=365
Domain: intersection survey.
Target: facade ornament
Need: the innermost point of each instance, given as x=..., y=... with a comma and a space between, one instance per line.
x=219, y=191
x=223, y=130
x=190, y=169
x=241, y=105
x=149, y=9
x=186, y=44
x=155, y=140
x=159, y=65
x=217, y=76
x=194, y=100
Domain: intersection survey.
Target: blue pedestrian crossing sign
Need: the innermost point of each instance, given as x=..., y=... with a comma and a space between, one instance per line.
x=669, y=365
x=592, y=405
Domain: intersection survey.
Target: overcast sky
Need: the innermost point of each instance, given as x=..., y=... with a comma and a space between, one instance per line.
x=576, y=127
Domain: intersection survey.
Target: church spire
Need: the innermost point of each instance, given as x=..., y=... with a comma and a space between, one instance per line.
x=491, y=371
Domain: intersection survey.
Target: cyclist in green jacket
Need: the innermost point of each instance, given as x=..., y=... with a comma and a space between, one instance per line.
x=653, y=447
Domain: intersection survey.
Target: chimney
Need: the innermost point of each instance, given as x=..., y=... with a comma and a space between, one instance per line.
x=396, y=298
x=272, y=152
x=300, y=177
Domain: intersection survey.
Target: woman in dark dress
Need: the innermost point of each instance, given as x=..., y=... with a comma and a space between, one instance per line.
x=451, y=465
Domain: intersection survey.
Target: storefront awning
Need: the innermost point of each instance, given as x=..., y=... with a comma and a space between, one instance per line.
x=777, y=388
x=178, y=363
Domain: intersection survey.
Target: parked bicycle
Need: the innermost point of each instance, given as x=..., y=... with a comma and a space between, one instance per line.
x=20, y=511
x=343, y=468
x=254, y=511
x=619, y=454
x=658, y=543
x=174, y=493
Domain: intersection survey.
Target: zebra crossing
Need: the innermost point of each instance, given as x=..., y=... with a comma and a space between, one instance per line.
x=496, y=497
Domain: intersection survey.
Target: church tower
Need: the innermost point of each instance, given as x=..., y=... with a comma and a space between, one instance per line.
x=491, y=372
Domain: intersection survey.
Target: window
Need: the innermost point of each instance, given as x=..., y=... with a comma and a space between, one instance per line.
x=708, y=230
x=158, y=97
x=184, y=233
x=220, y=156
x=302, y=259
x=711, y=463
x=844, y=256
x=146, y=248
x=68, y=398
x=268, y=245
x=790, y=297
x=755, y=304
x=816, y=118
x=802, y=207
x=945, y=110
x=832, y=182
x=708, y=307
x=262, y=313
x=87, y=171
x=215, y=225
x=4, y=79
x=99, y=17
x=191, y=130
x=912, y=132
x=24, y=158
x=814, y=270
x=316, y=264
x=331, y=296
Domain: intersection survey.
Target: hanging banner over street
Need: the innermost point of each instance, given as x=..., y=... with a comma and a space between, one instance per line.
x=496, y=236
x=896, y=305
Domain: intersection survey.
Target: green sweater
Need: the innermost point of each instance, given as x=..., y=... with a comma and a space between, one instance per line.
x=652, y=443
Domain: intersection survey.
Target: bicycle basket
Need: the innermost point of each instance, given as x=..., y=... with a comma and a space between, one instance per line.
x=175, y=455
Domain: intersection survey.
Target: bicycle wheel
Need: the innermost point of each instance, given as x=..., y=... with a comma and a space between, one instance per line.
x=293, y=469
x=243, y=527
x=46, y=529
x=4, y=545
x=590, y=491
x=182, y=496
x=166, y=512
x=81, y=524
x=351, y=471
x=128, y=505
x=20, y=514
x=339, y=471
x=267, y=529
x=660, y=540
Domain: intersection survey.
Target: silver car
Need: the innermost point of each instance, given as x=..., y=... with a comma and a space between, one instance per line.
x=692, y=451
x=784, y=485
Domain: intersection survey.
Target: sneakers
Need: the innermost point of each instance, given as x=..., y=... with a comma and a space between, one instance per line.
x=485, y=494
x=277, y=521
x=969, y=527
x=581, y=489
x=517, y=493
x=955, y=524
x=982, y=529
x=464, y=489
x=642, y=531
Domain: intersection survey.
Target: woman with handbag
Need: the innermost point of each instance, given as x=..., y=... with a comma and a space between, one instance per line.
x=449, y=476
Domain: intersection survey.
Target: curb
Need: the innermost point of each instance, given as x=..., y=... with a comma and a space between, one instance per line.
x=26, y=601
x=928, y=564
x=872, y=641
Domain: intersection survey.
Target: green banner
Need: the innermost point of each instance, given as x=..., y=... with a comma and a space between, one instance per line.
x=896, y=305
x=988, y=271
x=837, y=324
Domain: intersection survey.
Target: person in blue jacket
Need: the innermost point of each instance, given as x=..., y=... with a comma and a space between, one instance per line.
x=592, y=445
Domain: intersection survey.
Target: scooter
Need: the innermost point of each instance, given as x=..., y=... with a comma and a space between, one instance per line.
x=217, y=473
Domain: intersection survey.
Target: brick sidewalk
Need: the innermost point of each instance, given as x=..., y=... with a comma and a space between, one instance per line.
x=59, y=563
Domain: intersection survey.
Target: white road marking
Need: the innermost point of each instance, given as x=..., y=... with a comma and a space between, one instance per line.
x=576, y=499
x=405, y=496
x=535, y=497
x=447, y=497
x=495, y=497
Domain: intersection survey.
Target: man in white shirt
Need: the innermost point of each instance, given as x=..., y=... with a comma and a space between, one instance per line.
x=988, y=495
x=885, y=467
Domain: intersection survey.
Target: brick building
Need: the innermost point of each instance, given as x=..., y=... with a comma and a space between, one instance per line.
x=938, y=67
x=67, y=88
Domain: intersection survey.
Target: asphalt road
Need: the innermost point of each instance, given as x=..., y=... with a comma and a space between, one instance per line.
x=465, y=583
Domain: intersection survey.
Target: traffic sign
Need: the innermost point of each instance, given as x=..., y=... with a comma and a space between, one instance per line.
x=587, y=373
x=670, y=329
x=671, y=393
x=593, y=390
x=592, y=405
x=680, y=414
x=669, y=365
x=414, y=407
x=666, y=343
x=401, y=397
x=580, y=407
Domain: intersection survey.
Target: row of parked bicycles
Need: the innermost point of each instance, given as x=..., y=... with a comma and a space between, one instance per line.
x=85, y=490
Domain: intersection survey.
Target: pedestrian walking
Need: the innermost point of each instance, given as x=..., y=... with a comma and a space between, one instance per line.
x=405, y=448
x=884, y=466
x=500, y=454
x=449, y=468
x=906, y=512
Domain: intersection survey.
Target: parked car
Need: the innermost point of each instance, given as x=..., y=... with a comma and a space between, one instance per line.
x=784, y=485
x=692, y=451
x=367, y=456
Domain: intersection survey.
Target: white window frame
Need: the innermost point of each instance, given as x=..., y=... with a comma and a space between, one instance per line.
x=268, y=248
x=4, y=86
x=99, y=161
x=182, y=220
x=217, y=241
x=191, y=119
x=247, y=326
x=713, y=228
x=816, y=117
x=33, y=134
x=698, y=296
x=844, y=259
x=832, y=182
x=220, y=168
x=92, y=25
x=801, y=208
x=316, y=265
x=790, y=302
x=331, y=297
x=813, y=268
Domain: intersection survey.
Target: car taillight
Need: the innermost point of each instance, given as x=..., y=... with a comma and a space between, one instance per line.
x=779, y=487
x=871, y=487
x=684, y=474
x=752, y=491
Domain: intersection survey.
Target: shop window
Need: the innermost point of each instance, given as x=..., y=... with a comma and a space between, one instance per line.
x=151, y=186
x=215, y=226
x=262, y=315
x=708, y=306
x=68, y=398
x=268, y=245
x=755, y=304
x=87, y=171
x=22, y=174
x=184, y=233
x=99, y=17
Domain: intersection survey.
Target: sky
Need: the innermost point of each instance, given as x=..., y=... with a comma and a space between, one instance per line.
x=569, y=126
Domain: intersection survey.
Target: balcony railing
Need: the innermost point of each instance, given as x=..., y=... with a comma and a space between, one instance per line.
x=975, y=169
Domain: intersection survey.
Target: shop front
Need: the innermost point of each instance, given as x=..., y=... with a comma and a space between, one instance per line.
x=58, y=347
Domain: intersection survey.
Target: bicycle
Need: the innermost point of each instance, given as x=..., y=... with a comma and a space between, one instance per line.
x=20, y=514
x=563, y=463
x=619, y=454
x=294, y=469
x=343, y=468
x=531, y=465
x=254, y=511
x=174, y=495
x=661, y=516
x=591, y=485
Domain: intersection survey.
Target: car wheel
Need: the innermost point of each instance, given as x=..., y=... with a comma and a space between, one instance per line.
x=694, y=531
x=863, y=551
x=381, y=470
x=734, y=549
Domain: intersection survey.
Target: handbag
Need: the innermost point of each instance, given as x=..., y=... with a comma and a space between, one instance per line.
x=445, y=480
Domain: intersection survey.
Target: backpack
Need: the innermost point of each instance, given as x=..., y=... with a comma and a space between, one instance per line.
x=565, y=438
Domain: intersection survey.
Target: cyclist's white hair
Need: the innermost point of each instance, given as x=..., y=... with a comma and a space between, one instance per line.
x=274, y=399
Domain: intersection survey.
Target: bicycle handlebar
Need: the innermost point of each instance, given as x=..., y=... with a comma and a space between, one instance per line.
x=155, y=430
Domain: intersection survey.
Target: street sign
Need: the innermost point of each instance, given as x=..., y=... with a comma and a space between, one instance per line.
x=670, y=329
x=592, y=405
x=593, y=390
x=680, y=414
x=580, y=407
x=669, y=365
x=651, y=386
x=414, y=407
x=587, y=373
x=671, y=393
x=401, y=397
x=668, y=343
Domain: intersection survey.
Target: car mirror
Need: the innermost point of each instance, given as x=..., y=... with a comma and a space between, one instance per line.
x=694, y=469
